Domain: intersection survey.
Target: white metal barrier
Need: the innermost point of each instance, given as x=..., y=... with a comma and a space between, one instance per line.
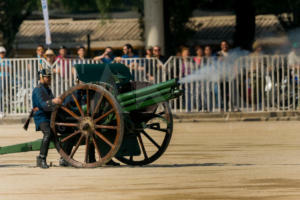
x=246, y=84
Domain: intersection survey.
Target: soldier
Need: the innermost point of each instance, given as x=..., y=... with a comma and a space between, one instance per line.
x=43, y=99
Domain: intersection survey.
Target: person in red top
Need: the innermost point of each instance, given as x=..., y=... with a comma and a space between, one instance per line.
x=62, y=61
x=199, y=55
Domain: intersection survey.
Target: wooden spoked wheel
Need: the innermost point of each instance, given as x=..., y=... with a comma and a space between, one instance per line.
x=153, y=137
x=88, y=126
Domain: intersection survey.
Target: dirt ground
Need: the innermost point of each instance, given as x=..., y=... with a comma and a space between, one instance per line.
x=234, y=160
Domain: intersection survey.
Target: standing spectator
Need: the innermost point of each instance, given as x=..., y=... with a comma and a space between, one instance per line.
x=209, y=60
x=224, y=49
x=40, y=52
x=81, y=53
x=199, y=55
x=4, y=76
x=62, y=53
x=63, y=67
x=157, y=54
x=207, y=51
x=107, y=56
x=131, y=62
x=159, y=65
x=149, y=52
x=294, y=56
x=257, y=49
x=50, y=56
x=40, y=55
x=256, y=82
x=150, y=64
x=2, y=56
x=294, y=66
x=185, y=67
x=128, y=51
x=224, y=86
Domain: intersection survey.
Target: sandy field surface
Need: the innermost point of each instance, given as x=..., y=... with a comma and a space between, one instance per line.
x=235, y=160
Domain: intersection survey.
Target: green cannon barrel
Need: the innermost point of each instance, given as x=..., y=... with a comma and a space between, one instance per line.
x=150, y=95
x=147, y=90
x=153, y=101
x=146, y=97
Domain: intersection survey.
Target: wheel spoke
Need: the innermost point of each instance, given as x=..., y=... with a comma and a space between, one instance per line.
x=66, y=124
x=97, y=106
x=97, y=148
x=143, y=147
x=106, y=127
x=70, y=136
x=151, y=139
x=104, y=139
x=76, y=146
x=87, y=102
x=154, y=127
x=161, y=113
x=87, y=142
x=70, y=112
x=104, y=115
x=77, y=104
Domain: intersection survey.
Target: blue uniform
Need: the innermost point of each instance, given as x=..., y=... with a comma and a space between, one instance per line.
x=42, y=98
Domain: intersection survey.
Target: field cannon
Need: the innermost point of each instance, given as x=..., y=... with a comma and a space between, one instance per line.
x=107, y=114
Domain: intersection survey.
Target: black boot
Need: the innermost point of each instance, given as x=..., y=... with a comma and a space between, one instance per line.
x=41, y=162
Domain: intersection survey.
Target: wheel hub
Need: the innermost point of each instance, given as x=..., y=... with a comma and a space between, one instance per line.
x=87, y=126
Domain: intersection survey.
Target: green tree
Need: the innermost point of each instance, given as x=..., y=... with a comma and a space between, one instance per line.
x=12, y=14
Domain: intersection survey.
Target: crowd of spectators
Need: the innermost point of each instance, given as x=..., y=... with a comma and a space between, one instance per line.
x=199, y=56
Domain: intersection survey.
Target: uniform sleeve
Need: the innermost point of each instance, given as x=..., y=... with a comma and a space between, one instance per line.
x=43, y=100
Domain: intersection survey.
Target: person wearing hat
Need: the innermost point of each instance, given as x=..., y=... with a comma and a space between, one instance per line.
x=2, y=52
x=50, y=56
x=44, y=102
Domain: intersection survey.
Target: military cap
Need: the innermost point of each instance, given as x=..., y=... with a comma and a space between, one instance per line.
x=45, y=72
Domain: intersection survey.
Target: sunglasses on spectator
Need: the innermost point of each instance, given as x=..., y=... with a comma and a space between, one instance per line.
x=156, y=49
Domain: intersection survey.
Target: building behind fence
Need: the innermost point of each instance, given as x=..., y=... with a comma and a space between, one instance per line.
x=245, y=84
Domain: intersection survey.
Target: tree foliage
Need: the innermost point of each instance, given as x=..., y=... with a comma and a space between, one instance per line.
x=12, y=14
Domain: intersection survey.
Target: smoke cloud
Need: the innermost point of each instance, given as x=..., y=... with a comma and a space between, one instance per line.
x=219, y=69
